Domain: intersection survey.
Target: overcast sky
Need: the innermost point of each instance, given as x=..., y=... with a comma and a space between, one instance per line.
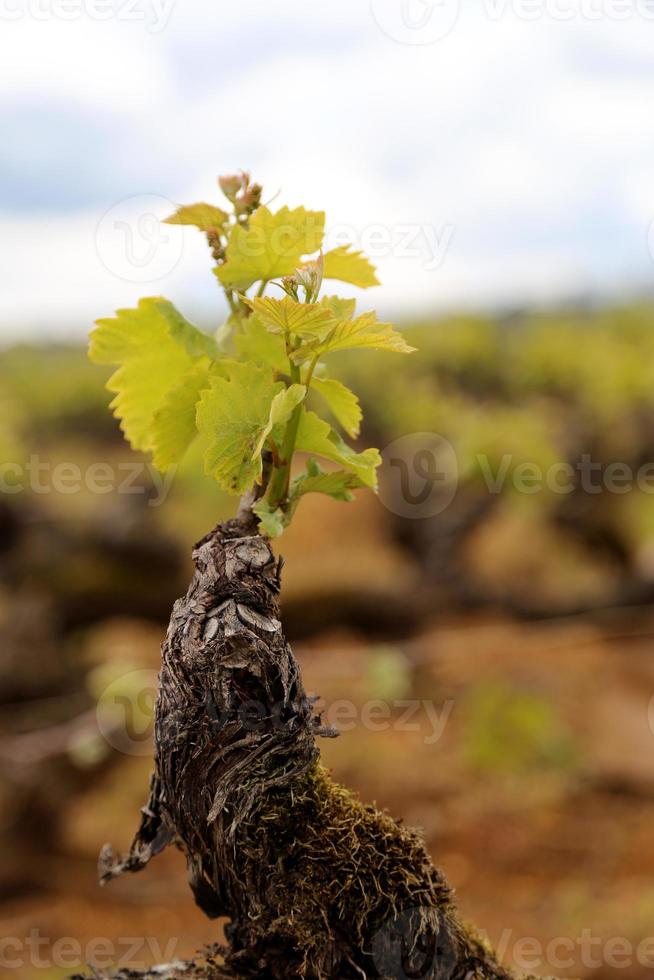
x=501, y=155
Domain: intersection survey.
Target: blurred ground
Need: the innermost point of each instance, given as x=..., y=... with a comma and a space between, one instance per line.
x=489, y=663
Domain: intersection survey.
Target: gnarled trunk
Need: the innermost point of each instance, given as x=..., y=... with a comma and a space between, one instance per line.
x=315, y=884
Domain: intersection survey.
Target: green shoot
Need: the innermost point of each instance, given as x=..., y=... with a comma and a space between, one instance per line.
x=247, y=391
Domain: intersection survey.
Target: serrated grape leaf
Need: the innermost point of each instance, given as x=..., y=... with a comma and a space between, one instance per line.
x=351, y=266
x=281, y=409
x=255, y=343
x=317, y=436
x=232, y=415
x=154, y=346
x=287, y=316
x=271, y=522
x=173, y=425
x=337, y=484
x=206, y=217
x=343, y=309
x=272, y=245
x=342, y=402
x=365, y=331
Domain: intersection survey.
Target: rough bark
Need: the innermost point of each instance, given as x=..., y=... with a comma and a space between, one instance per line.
x=314, y=884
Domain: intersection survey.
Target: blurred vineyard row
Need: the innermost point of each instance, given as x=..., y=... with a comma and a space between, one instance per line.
x=380, y=602
x=527, y=395
x=539, y=390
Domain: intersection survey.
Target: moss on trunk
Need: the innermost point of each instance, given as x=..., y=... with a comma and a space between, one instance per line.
x=315, y=884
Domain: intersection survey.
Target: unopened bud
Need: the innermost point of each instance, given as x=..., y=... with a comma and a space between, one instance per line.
x=289, y=285
x=249, y=200
x=215, y=244
x=310, y=277
x=231, y=184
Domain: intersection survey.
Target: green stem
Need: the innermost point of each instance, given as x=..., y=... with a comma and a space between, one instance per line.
x=280, y=478
x=281, y=475
x=232, y=303
x=312, y=368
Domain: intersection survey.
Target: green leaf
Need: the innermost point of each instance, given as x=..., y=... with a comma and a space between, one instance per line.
x=366, y=331
x=281, y=410
x=349, y=266
x=271, y=245
x=337, y=484
x=342, y=402
x=343, y=309
x=232, y=414
x=206, y=217
x=255, y=343
x=154, y=346
x=316, y=436
x=287, y=316
x=271, y=522
x=173, y=426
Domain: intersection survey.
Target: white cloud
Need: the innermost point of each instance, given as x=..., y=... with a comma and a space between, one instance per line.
x=516, y=145
x=109, y=66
